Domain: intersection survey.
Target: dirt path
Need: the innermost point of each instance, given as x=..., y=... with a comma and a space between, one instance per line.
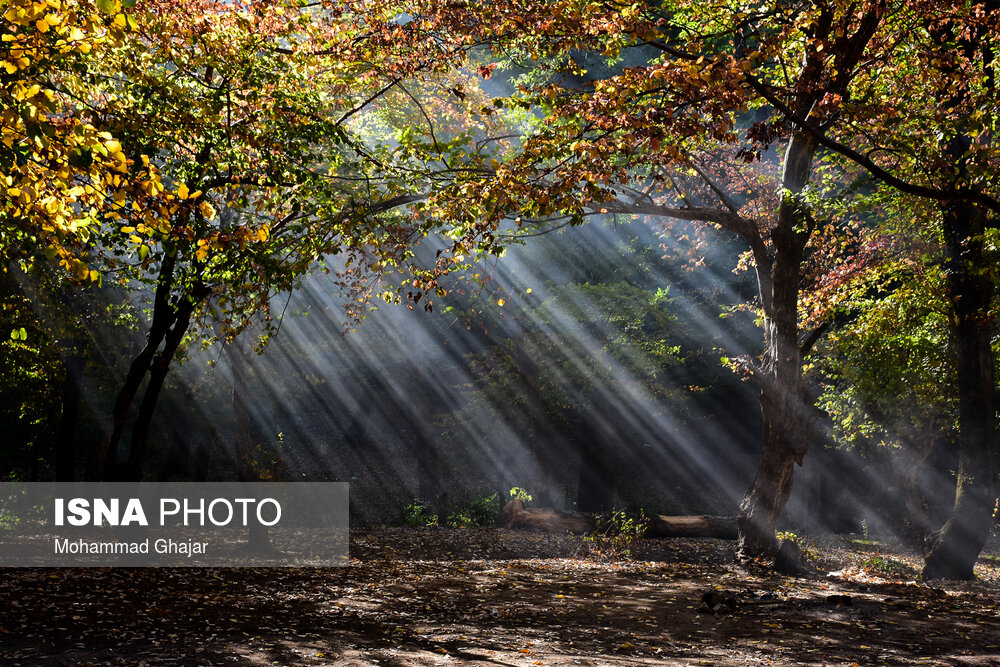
x=493, y=597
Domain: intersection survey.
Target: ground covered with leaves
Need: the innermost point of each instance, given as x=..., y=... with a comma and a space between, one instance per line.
x=436, y=596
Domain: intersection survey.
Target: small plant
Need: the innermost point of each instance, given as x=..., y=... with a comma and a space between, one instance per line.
x=518, y=493
x=888, y=566
x=417, y=513
x=480, y=512
x=615, y=536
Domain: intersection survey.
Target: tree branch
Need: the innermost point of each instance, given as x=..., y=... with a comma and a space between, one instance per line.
x=937, y=194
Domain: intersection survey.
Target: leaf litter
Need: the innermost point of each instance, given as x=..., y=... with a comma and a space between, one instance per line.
x=438, y=596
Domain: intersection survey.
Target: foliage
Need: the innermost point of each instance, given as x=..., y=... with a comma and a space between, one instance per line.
x=482, y=511
x=417, y=513
x=616, y=535
x=517, y=493
x=59, y=172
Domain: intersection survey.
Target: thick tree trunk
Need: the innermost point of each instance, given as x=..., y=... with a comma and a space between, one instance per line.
x=783, y=413
x=955, y=549
x=772, y=485
x=516, y=516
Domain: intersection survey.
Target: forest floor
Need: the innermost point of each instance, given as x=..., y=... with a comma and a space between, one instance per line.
x=438, y=596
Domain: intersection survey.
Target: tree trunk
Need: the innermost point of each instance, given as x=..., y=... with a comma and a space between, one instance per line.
x=157, y=374
x=955, y=549
x=783, y=413
x=104, y=459
x=516, y=516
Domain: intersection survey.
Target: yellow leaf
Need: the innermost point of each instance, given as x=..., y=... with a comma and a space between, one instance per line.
x=182, y=191
x=501, y=302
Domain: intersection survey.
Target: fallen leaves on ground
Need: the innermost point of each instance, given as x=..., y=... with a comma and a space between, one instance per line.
x=491, y=596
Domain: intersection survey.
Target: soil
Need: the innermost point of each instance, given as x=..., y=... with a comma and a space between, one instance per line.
x=436, y=596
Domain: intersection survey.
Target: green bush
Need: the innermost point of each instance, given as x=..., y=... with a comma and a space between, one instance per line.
x=417, y=513
x=479, y=512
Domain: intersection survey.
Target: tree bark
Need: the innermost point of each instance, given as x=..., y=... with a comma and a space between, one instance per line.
x=954, y=550
x=784, y=420
x=545, y=519
x=783, y=402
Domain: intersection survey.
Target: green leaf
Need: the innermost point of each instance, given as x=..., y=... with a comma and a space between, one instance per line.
x=106, y=6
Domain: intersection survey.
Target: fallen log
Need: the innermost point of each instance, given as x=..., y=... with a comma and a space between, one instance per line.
x=516, y=516
x=723, y=527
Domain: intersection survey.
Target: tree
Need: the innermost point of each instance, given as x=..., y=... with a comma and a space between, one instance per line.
x=886, y=368
x=661, y=139
x=943, y=76
x=244, y=142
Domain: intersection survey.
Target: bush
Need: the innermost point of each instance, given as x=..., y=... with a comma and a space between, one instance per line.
x=417, y=513
x=479, y=512
x=616, y=535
